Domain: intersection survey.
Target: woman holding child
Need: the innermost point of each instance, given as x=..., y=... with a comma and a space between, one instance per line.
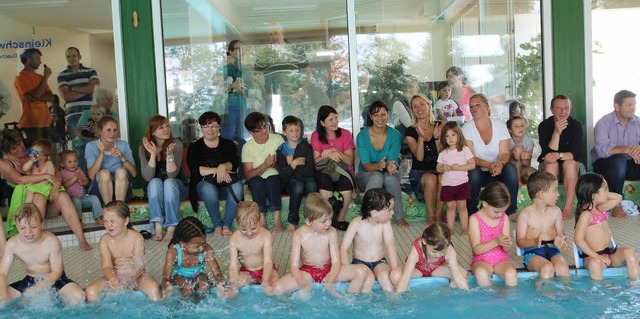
x=213, y=162
x=489, y=142
x=379, y=149
x=110, y=162
x=161, y=166
x=422, y=139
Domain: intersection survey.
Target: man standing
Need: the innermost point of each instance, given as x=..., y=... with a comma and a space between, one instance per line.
x=34, y=94
x=616, y=153
x=561, y=142
x=76, y=84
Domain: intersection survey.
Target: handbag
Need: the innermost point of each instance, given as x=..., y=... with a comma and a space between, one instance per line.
x=336, y=169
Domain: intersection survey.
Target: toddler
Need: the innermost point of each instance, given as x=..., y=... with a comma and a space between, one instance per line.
x=90, y=129
x=39, y=163
x=74, y=181
x=445, y=106
x=521, y=146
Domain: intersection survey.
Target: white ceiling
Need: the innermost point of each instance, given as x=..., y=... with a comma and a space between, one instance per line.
x=91, y=16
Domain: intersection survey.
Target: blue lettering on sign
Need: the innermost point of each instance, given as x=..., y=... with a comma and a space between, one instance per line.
x=9, y=56
x=33, y=43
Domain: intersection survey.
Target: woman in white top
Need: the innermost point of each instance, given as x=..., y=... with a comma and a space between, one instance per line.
x=489, y=143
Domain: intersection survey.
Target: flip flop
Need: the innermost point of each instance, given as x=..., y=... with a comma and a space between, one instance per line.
x=145, y=234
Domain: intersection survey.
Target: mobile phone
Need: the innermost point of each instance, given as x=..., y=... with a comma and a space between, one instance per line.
x=437, y=122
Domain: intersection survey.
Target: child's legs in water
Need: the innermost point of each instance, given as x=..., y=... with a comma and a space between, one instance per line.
x=560, y=265
x=95, y=288
x=595, y=268
x=483, y=271
x=507, y=271
x=382, y=272
x=72, y=293
x=445, y=272
x=360, y=278
x=186, y=285
x=202, y=284
x=541, y=265
x=629, y=257
x=149, y=287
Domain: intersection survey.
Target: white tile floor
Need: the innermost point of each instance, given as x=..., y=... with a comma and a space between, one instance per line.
x=84, y=267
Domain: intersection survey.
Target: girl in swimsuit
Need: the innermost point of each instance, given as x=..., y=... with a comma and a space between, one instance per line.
x=432, y=255
x=489, y=235
x=186, y=258
x=592, y=233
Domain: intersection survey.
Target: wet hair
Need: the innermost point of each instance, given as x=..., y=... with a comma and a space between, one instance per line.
x=9, y=138
x=316, y=206
x=457, y=72
x=441, y=85
x=324, y=112
x=559, y=97
x=432, y=117
x=120, y=208
x=208, y=118
x=247, y=214
x=436, y=235
x=291, y=120
x=540, y=182
x=187, y=229
x=232, y=45
x=452, y=126
x=374, y=108
x=101, y=92
x=496, y=194
x=106, y=120
x=28, y=211
x=513, y=118
x=28, y=54
x=621, y=95
x=154, y=123
x=64, y=154
x=375, y=199
x=254, y=120
x=587, y=186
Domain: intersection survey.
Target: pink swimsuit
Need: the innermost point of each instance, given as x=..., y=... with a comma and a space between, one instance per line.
x=487, y=234
x=426, y=268
x=597, y=219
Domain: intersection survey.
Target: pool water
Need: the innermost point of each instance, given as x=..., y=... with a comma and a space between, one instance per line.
x=580, y=297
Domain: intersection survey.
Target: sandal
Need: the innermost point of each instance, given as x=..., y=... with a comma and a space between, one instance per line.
x=145, y=234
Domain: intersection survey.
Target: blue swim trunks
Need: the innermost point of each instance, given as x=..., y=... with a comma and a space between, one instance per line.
x=370, y=264
x=547, y=251
x=29, y=281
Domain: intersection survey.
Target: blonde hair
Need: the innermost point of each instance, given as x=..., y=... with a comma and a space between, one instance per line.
x=98, y=107
x=428, y=101
x=316, y=207
x=247, y=214
x=28, y=211
x=64, y=154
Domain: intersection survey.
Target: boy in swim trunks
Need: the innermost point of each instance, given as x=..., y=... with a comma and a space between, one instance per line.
x=316, y=245
x=250, y=260
x=41, y=254
x=370, y=233
x=539, y=229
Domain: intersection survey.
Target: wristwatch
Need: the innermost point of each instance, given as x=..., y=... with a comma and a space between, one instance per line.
x=560, y=155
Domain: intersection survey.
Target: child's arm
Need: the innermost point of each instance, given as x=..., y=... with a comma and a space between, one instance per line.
x=347, y=239
x=294, y=260
x=474, y=238
x=267, y=251
x=390, y=242
x=55, y=260
x=505, y=239
x=409, y=265
x=138, y=255
x=334, y=251
x=5, y=266
x=471, y=164
x=579, y=238
x=441, y=116
x=171, y=260
x=82, y=178
x=210, y=257
x=456, y=271
x=29, y=164
x=613, y=200
x=521, y=232
x=67, y=182
x=107, y=263
x=233, y=259
x=561, y=240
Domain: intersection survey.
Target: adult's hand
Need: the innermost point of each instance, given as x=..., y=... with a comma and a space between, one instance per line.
x=496, y=168
x=150, y=147
x=560, y=126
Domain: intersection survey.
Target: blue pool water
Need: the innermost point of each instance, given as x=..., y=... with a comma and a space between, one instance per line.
x=580, y=298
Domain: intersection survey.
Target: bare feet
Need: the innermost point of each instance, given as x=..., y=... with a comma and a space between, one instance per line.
x=619, y=213
x=169, y=236
x=430, y=219
x=291, y=228
x=85, y=246
x=277, y=226
x=567, y=214
x=100, y=221
x=158, y=236
x=402, y=223
x=217, y=232
x=226, y=231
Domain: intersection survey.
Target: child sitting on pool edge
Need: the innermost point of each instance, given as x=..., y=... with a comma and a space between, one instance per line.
x=539, y=228
x=433, y=254
x=370, y=233
x=592, y=234
x=41, y=255
x=122, y=256
x=250, y=248
x=315, y=244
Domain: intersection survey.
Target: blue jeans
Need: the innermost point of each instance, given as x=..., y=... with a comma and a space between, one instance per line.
x=263, y=189
x=479, y=178
x=297, y=189
x=210, y=193
x=615, y=169
x=164, y=200
x=88, y=201
x=377, y=179
x=234, y=126
x=72, y=122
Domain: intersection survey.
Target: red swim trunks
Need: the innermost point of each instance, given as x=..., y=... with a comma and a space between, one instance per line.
x=317, y=272
x=256, y=275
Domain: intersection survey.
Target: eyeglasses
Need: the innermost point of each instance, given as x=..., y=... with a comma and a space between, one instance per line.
x=208, y=126
x=260, y=128
x=236, y=48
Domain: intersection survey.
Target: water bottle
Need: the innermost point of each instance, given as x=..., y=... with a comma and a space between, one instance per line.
x=33, y=153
